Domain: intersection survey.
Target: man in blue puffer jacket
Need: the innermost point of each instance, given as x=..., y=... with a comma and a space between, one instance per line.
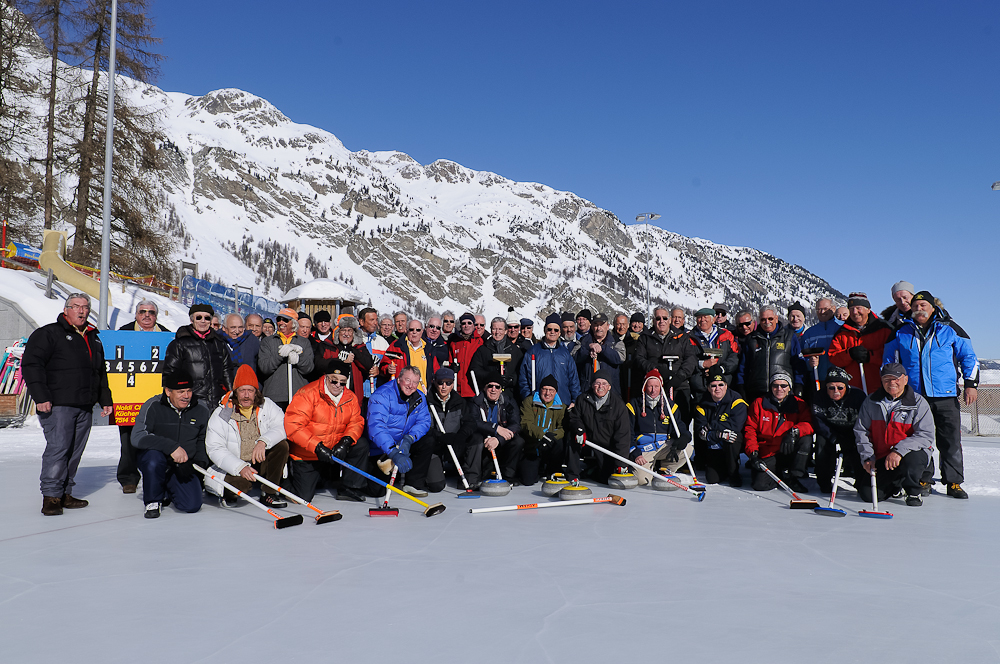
x=550, y=359
x=931, y=351
x=398, y=421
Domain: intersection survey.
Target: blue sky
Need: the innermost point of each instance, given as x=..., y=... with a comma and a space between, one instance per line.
x=853, y=138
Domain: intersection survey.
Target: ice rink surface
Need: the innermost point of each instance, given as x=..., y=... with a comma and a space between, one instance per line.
x=737, y=577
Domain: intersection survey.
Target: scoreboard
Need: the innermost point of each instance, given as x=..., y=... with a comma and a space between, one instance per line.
x=134, y=362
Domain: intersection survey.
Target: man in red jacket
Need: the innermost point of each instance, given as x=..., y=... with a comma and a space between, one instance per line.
x=779, y=433
x=858, y=344
x=464, y=344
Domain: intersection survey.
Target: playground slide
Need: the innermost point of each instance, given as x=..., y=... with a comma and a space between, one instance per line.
x=53, y=250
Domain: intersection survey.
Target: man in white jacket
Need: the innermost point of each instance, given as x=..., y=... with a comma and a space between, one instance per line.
x=246, y=436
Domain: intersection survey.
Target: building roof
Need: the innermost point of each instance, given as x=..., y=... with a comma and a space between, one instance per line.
x=325, y=289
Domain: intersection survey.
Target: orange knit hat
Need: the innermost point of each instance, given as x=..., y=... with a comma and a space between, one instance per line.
x=245, y=376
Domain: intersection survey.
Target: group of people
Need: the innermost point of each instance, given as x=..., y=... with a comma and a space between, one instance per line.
x=409, y=401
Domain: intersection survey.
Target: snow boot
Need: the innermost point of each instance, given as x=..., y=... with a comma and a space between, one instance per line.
x=955, y=490
x=273, y=500
x=914, y=500
x=51, y=506
x=71, y=503
x=152, y=511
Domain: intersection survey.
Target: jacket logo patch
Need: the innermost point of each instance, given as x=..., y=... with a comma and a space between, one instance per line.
x=780, y=345
x=724, y=417
x=193, y=422
x=69, y=338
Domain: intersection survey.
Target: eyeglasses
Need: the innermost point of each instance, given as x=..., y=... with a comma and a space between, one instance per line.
x=662, y=318
x=552, y=329
x=445, y=382
x=780, y=386
x=746, y=324
x=492, y=386
x=480, y=324
x=146, y=312
x=467, y=322
x=513, y=327
x=283, y=319
x=433, y=327
x=835, y=388
x=764, y=318
x=202, y=318
x=448, y=320
x=81, y=307
x=336, y=382
x=416, y=329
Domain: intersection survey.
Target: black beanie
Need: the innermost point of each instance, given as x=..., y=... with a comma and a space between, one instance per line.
x=549, y=381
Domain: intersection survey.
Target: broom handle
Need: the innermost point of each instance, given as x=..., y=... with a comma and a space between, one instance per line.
x=874, y=489
x=533, y=388
x=836, y=477
x=229, y=486
x=538, y=506
x=496, y=464
x=864, y=384
x=451, y=450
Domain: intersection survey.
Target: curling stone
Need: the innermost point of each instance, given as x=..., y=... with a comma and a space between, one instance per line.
x=623, y=481
x=554, y=484
x=571, y=492
x=494, y=487
x=663, y=485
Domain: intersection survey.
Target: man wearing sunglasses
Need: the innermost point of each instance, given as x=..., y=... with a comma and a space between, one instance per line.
x=600, y=351
x=498, y=426
x=285, y=356
x=484, y=362
x=550, y=358
x=324, y=419
x=835, y=410
x=463, y=346
x=146, y=313
x=772, y=347
x=673, y=354
x=451, y=424
x=719, y=421
x=448, y=321
x=437, y=347
x=778, y=433
x=204, y=355
x=411, y=351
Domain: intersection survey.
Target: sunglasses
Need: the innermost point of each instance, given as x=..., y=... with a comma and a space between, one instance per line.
x=746, y=324
x=283, y=319
x=416, y=329
x=467, y=322
x=445, y=382
x=336, y=382
x=433, y=327
x=202, y=318
x=480, y=324
x=662, y=318
x=553, y=329
x=835, y=388
x=780, y=386
x=146, y=312
x=513, y=327
x=492, y=386
x=768, y=318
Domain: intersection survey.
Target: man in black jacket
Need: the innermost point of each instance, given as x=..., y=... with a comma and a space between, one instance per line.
x=452, y=425
x=835, y=410
x=63, y=367
x=771, y=348
x=602, y=416
x=484, y=360
x=498, y=426
x=169, y=435
x=203, y=354
x=673, y=354
x=719, y=420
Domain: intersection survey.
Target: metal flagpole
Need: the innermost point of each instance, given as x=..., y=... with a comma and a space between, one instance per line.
x=102, y=318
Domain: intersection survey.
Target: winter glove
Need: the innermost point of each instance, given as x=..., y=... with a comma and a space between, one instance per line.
x=293, y=358
x=546, y=443
x=728, y=435
x=344, y=355
x=677, y=445
x=859, y=354
x=797, y=389
x=789, y=440
x=405, y=443
x=185, y=471
x=703, y=433
x=285, y=349
x=341, y=449
x=401, y=459
x=754, y=461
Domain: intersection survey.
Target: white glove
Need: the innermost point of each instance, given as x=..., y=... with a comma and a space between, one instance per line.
x=285, y=349
x=293, y=358
x=729, y=436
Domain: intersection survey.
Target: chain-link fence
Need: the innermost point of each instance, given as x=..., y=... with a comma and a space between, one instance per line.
x=983, y=417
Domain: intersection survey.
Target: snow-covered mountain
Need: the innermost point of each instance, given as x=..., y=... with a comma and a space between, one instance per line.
x=257, y=199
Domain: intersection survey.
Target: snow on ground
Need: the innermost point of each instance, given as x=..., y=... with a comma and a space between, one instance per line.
x=738, y=576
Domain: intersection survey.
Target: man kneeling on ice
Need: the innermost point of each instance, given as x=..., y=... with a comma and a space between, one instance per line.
x=779, y=432
x=324, y=418
x=542, y=416
x=895, y=435
x=655, y=442
x=398, y=422
x=602, y=416
x=169, y=435
x=246, y=436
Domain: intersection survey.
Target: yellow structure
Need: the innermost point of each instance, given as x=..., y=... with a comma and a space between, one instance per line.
x=52, y=258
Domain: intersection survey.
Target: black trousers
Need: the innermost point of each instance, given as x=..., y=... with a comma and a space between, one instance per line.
x=905, y=476
x=421, y=453
x=720, y=464
x=580, y=461
x=128, y=469
x=508, y=456
x=306, y=477
x=536, y=463
x=826, y=459
x=794, y=464
x=948, y=439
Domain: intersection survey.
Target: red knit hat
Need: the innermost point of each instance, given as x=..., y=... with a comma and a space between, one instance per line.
x=245, y=376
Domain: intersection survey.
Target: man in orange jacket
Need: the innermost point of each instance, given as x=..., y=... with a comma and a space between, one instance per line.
x=324, y=412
